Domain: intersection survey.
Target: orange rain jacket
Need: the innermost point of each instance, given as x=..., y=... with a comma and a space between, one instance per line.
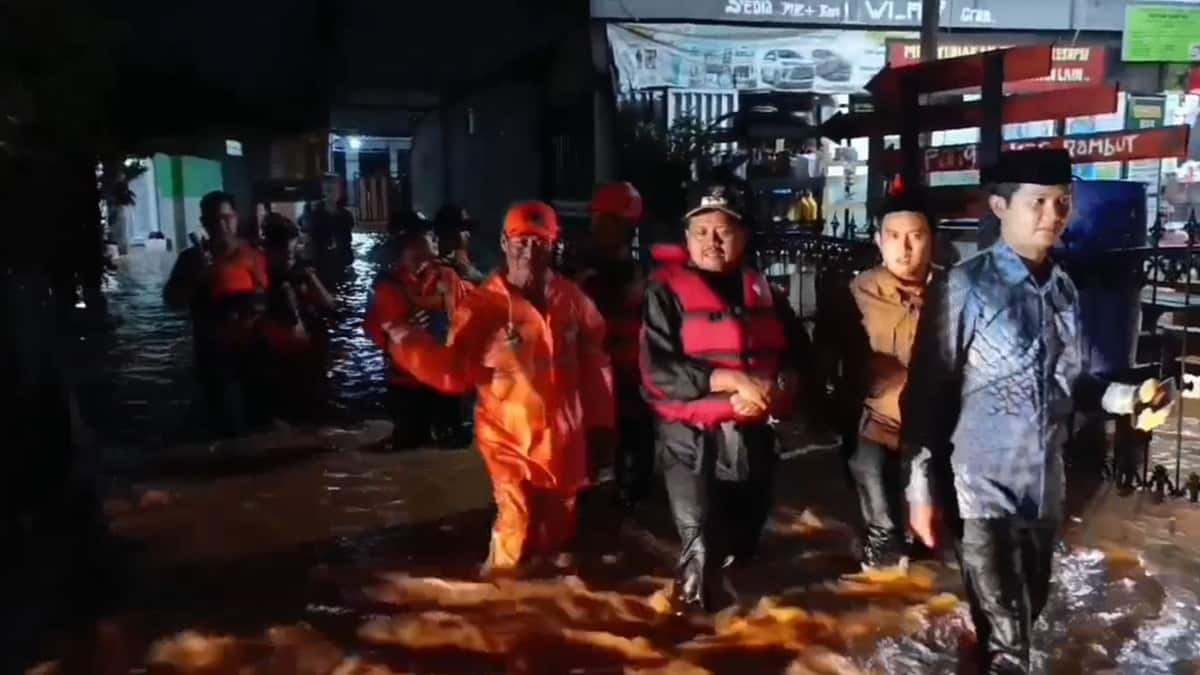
x=543, y=381
x=438, y=288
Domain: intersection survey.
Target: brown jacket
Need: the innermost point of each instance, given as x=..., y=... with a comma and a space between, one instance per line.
x=887, y=321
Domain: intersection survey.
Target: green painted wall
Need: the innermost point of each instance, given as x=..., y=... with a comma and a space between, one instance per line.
x=200, y=176
x=181, y=182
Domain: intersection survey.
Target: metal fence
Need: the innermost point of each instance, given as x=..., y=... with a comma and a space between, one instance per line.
x=1164, y=275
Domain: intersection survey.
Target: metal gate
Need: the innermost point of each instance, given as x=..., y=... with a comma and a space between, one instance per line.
x=664, y=106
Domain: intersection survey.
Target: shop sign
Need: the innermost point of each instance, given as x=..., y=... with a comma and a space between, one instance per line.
x=1162, y=33
x=1145, y=112
x=1076, y=66
x=1095, y=100
x=760, y=59
x=994, y=14
x=1113, y=146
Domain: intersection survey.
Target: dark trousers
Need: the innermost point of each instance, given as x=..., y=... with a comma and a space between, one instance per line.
x=1006, y=571
x=412, y=409
x=878, y=475
x=228, y=384
x=715, y=518
x=634, y=461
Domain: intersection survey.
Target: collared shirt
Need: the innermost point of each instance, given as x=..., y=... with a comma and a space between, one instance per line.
x=997, y=369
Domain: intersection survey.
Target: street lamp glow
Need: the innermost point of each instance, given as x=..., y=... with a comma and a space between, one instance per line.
x=355, y=142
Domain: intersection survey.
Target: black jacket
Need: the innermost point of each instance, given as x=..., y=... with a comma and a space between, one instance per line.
x=684, y=378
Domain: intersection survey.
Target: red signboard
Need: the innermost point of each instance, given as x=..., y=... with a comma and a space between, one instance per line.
x=965, y=72
x=1096, y=100
x=1110, y=146
x=1077, y=66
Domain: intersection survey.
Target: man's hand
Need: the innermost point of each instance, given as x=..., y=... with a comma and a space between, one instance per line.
x=753, y=391
x=922, y=520
x=1153, y=403
x=743, y=408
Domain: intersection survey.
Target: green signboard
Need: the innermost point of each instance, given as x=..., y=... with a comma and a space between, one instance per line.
x=1161, y=33
x=1145, y=112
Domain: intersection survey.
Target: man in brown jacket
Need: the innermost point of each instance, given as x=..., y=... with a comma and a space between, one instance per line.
x=875, y=340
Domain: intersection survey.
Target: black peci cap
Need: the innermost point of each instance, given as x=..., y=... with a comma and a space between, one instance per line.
x=905, y=199
x=1040, y=166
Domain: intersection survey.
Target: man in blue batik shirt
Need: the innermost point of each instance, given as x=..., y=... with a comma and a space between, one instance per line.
x=996, y=372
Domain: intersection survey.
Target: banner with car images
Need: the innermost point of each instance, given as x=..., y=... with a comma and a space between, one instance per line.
x=744, y=58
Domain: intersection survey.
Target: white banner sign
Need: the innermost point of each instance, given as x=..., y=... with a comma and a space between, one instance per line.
x=753, y=59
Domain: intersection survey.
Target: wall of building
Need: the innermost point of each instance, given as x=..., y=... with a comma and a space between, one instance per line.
x=428, y=164
x=527, y=136
x=483, y=153
x=496, y=159
x=181, y=182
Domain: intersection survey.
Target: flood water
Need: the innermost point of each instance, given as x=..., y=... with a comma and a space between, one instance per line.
x=136, y=384
x=365, y=562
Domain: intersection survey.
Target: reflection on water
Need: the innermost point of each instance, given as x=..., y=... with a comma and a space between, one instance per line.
x=355, y=563
x=376, y=555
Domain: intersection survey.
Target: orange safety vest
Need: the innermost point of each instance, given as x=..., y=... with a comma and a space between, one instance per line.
x=243, y=271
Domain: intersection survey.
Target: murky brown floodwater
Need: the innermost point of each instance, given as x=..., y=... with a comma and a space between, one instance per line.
x=356, y=562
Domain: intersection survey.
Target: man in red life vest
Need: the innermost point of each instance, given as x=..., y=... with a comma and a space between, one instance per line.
x=615, y=282
x=720, y=353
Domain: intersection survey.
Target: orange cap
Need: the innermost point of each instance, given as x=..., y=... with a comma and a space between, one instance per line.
x=618, y=199
x=532, y=218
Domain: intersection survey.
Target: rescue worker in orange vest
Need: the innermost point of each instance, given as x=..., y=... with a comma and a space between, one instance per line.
x=615, y=282
x=532, y=344
x=720, y=353
x=222, y=282
x=413, y=290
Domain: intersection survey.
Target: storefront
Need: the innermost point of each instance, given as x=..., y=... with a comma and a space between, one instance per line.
x=703, y=58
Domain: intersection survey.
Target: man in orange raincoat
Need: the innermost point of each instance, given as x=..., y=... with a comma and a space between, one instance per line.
x=533, y=345
x=416, y=289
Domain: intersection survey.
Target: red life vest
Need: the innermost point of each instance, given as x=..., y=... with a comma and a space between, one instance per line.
x=669, y=254
x=749, y=338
